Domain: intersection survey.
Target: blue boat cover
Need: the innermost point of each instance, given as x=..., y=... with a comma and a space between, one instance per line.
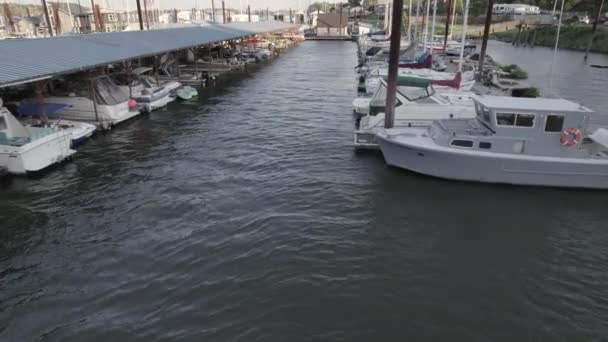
x=33, y=108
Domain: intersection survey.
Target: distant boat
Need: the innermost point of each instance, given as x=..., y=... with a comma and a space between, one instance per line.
x=145, y=90
x=599, y=66
x=519, y=141
x=187, y=93
x=30, y=149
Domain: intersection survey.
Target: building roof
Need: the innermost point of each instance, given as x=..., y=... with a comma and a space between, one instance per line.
x=27, y=60
x=530, y=104
x=332, y=20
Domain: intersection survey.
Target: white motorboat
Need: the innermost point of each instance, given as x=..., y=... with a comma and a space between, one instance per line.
x=106, y=106
x=30, y=116
x=519, y=141
x=146, y=91
x=30, y=149
x=407, y=91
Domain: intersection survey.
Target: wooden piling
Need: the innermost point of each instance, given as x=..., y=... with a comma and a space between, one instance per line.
x=141, y=20
x=393, y=66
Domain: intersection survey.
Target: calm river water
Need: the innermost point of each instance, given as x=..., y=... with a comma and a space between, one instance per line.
x=246, y=216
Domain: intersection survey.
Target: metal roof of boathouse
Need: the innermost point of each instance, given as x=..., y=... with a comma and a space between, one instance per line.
x=28, y=60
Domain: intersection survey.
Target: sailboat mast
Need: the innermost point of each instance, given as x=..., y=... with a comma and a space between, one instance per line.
x=465, y=20
x=559, y=27
x=447, y=26
x=417, y=16
x=393, y=64
x=409, y=21
x=486, y=34
x=426, y=24
x=433, y=28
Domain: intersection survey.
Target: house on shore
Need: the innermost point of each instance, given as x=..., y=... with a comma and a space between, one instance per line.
x=332, y=25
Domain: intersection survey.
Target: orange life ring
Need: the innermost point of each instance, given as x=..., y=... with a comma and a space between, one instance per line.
x=571, y=137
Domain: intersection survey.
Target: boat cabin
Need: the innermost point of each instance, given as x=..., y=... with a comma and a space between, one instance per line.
x=531, y=126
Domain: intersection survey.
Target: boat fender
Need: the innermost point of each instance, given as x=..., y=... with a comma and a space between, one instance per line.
x=571, y=137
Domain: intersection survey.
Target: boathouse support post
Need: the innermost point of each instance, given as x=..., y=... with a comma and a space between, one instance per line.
x=486, y=33
x=94, y=98
x=40, y=96
x=393, y=64
x=141, y=19
x=47, y=18
x=597, y=18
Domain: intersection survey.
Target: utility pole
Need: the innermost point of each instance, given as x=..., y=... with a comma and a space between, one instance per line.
x=223, y=12
x=597, y=18
x=340, y=28
x=249, y=12
x=141, y=20
x=213, y=10
x=409, y=21
x=46, y=17
x=393, y=64
x=486, y=33
x=146, y=11
x=447, y=26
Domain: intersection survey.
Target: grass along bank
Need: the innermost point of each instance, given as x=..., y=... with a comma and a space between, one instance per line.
x=573, y=37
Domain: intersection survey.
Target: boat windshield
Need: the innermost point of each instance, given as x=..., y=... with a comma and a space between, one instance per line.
x=416, y=93
x=108, y=92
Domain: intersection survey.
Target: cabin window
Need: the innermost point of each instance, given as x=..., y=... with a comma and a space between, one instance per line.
x=505, y=119
x=3, y=123
x=462, y=143
x=555, y=123
x=524, y=120
x=486, y=114
x=518, y=120
x=485, y=145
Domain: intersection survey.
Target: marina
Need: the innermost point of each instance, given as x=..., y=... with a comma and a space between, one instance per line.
x=246, y=187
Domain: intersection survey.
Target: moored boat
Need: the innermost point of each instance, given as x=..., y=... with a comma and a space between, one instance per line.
x=519, y=141
x=30, y=149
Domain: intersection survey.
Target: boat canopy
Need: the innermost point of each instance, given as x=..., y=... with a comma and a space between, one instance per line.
x=411, y=81
x=108, y=92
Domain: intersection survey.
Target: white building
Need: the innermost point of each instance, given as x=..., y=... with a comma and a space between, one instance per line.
x=245, y=17
x=515, y=9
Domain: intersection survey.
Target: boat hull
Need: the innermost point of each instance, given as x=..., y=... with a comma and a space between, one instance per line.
x=493, y=168
x=36, y=155
x=82, y=109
